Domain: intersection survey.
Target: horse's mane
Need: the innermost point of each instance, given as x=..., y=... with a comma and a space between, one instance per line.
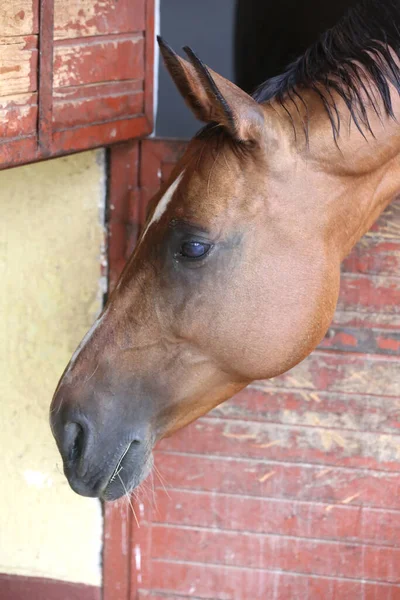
x=366, y=41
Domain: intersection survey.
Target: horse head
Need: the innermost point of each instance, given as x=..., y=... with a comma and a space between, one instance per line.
x=234, y=278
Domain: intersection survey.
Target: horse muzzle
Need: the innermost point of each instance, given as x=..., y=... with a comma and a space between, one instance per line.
x=102, y=455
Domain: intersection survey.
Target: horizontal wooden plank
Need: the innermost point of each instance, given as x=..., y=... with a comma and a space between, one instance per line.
x=338, y=372
x=374, y=257
x=79, y=18
x=18, y=65
x=369, y=294
x=19, y=17
x=73, y=113
x=18, y=152
x=327, y=409
x=18, y=115
x=271, y=441
x=373, y=320
x=326, y=484
x=99, y=60
x=255, y=551
x=109, y=88
x=218, y=582
x=276, y=516
x=100, y=134
x=359, y=339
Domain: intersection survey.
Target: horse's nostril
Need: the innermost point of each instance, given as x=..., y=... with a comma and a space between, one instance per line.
x=74, y=441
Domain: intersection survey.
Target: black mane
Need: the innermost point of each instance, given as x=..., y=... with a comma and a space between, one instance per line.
x=361, y=43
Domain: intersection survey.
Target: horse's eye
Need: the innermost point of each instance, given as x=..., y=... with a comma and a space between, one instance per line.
x=194, y=249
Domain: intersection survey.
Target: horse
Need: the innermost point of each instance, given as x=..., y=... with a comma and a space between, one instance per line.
x=236, y=274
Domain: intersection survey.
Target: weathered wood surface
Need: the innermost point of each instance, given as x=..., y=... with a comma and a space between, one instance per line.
x=18, y=17
x=292, y=488
x=18, y=65
x=82, y=18
x=116, y=58
x=93, y=77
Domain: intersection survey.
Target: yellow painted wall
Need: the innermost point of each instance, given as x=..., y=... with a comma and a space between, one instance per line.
x=50, y=249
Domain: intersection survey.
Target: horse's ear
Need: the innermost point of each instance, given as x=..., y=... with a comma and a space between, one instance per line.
x=212, y=98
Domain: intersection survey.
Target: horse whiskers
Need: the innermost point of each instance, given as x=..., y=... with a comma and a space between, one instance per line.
x=162, y=480
x=113, y=476
x=129, y=499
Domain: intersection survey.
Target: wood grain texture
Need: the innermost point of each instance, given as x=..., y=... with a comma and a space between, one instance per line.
x=46, y=54
x=18, y=17
x=101, y=60
x=87, y=108
x=18, y=115
x=18, y=65
x=81, y=18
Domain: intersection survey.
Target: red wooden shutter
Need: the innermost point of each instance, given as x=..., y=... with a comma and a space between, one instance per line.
x=73, y=75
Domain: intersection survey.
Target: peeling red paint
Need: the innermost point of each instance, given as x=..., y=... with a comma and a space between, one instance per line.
x=388, y=344
x=113, y=65
x=347, y=339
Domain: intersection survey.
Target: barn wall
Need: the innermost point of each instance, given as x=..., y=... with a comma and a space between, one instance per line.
x=51, y=234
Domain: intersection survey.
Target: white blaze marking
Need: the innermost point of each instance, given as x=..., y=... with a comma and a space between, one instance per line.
x=163, y=203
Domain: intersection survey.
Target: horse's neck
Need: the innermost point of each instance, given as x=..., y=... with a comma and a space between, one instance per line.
x=357, y=177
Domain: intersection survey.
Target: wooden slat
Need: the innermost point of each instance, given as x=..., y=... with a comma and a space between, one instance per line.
x=87, y=110
x=18, y=115
x=116, y=551
x=342, y=372
x=372, y=320
x=46, y=48
x=18, y=65
x=96, y=135
x=255, y=551
x=334, y=486
x=280, y=442
x=354, y=412
x=99, y=60
x=79, y=18
x=216, y=511
x=359, y=339
x=218, y=582
x=20, y=151
x=370, y=294
x=18, y=17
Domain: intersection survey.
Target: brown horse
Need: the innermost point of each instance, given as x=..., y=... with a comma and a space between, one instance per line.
x=236, y=274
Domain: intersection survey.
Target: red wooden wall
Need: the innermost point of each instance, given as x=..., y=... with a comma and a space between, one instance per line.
x=292, y=488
